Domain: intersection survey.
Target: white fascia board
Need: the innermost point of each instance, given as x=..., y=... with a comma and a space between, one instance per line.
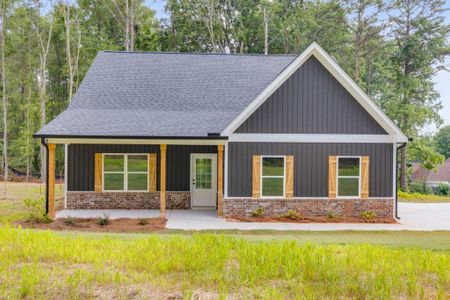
x=311, y=138
x=135, y=141
x=330, y=64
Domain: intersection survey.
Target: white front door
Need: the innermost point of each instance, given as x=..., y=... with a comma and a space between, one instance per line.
x=203, y=180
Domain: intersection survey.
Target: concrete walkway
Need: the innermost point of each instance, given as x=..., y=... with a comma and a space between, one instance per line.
x=414, y=216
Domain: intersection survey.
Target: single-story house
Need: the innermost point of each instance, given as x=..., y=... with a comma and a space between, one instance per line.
x=226, y=132
x=432, y=178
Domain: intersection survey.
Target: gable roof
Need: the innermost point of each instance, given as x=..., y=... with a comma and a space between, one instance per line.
x=145, y=95
x=341, y=76
x=135, y=94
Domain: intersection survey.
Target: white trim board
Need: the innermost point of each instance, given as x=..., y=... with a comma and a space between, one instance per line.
x=330, y=64
x=135, y=141
x=311, y=138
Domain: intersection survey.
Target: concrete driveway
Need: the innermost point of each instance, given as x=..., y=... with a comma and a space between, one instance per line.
x=414, y=216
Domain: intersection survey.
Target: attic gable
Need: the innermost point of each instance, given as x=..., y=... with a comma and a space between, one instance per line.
x=311, y=101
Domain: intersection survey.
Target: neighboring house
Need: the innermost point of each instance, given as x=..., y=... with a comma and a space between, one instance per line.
x=229, y=132
x=433, y=178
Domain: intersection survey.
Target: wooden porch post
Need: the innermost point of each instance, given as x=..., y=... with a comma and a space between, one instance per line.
x=162, y=192
x=219, y=179
x=51, y=180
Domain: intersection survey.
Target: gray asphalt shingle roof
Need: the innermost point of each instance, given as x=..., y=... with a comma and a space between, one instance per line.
x=164, y=94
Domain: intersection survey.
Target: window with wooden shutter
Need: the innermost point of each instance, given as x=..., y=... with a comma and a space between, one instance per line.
x=331, y=176
x=364, y=177
x=98, y=166
x=256, y=176
x=152, y=172
x=289, y=176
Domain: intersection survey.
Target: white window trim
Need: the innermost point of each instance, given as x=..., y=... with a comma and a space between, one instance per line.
x=337, y=178
x=125, y=172
x=284, y=177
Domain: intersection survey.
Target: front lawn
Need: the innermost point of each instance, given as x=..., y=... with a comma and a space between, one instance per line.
x=12, y=206
x=45, y=264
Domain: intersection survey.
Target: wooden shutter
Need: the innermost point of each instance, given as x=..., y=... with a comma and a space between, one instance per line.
x=256, y=176
x=289, y=177
x=152, y=172
x=98, y=172
x=364, y=177
x=331, y=176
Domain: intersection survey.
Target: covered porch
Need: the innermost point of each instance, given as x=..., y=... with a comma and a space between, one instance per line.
x=186, y=170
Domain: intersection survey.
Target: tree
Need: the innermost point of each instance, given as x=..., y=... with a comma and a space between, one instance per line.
x=419, y=34
x=442, y=141
x=3, y=8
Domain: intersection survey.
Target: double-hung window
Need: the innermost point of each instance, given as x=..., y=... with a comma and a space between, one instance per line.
x=273, y=176
x=125, y=172
x=348, y=176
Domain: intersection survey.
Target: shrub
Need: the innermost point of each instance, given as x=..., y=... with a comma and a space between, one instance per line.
x=442, y=189
x=103, y=220
x=36, y=211
x=142, y=221
x=368, y=215
x=292, y=214
x=419, y=187
x=331, y=214
x=259, y=212
x=69, y=221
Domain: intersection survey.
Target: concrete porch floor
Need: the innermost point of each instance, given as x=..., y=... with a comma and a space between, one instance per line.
x=414, y=216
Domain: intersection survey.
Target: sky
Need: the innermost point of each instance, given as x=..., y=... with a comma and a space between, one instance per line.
x=442, y=79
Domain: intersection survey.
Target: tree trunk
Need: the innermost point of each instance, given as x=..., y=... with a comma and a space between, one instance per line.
x=131, y=26
x=5, y=103
x=68, y=48
x=266, y=32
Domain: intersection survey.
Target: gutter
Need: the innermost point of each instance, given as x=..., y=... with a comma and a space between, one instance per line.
x=396, y=179
x=46, y=177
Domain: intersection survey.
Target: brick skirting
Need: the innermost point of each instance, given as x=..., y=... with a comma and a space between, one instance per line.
x=383, y=207
x=126, y=200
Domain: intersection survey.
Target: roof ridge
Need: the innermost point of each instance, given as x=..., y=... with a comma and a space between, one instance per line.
x=200, y=53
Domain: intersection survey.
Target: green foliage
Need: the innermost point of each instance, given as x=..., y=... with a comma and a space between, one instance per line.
x=292, y=214
x=143, y=221
x=36, y=211
x=442, y=140
x=103, y=220
x=259, y=212
x=422, y=151
x=420, y=187
x=442, y=189
x=69, y=221
x=331, y=214
x=368, y=215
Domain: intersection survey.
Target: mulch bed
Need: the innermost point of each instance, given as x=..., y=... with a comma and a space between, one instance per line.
x=318, y=219
x=115, y=225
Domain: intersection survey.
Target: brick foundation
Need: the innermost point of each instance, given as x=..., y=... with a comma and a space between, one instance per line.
x=126, y=200
x=383, y=207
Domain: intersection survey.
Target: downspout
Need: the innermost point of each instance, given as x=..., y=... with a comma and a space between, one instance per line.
x=46, y=177
x=396, y=180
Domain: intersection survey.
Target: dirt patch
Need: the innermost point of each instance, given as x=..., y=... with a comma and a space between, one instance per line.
x=89, y=224
x=318, y=219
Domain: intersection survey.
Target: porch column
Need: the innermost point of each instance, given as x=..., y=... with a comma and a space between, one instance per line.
x=219, y=179
x=162, y=188
x=51, y=180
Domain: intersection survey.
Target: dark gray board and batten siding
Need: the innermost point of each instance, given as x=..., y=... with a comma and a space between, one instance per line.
x=310, y=166
x=311, y=101
x=81, y=163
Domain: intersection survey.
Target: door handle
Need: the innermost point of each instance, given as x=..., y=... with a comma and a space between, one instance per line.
x=193, y=181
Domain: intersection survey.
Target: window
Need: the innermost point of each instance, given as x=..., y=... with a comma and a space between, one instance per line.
x=272, y=176
x=125, y=172
x=348, y=176
x=203, y=173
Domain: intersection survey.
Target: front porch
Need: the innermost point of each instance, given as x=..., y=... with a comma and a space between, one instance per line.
x=167, y=174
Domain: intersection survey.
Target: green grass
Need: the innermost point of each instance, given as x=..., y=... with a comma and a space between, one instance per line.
x=421, y=198
x=43, y=264
x=12, y=207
